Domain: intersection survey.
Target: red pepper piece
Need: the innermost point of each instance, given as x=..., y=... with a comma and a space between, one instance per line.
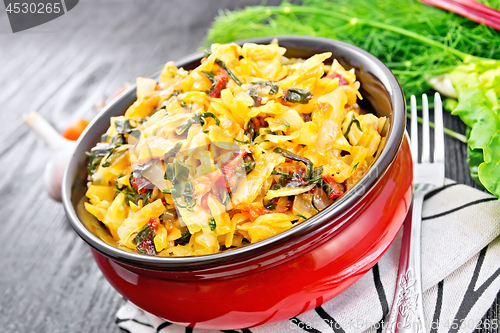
x=216, y=181
x=256, y=209
x=342, y=80
x=306, y=117
x=335, y=189
x=141, y=184
x=213, y=177
x=258, y=101
x=204, y=201
x=148, y=245
x=222, y=79
x=154, y=223
x=228, y=169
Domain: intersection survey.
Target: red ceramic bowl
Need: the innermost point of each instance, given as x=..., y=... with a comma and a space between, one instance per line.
x=284, y=275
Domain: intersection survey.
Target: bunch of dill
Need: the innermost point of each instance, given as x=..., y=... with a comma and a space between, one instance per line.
x=414, y=40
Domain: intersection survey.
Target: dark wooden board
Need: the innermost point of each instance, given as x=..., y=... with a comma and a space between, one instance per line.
x=48, y=280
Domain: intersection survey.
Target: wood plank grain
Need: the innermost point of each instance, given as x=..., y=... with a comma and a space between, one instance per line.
x=49, y=281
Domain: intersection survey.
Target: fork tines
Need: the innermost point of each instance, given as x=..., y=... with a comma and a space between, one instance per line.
x=438, y=130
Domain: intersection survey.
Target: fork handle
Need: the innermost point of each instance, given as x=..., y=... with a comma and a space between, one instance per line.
x=407, y=312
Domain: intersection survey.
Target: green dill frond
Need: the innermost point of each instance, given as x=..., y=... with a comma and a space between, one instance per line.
x=412, y=39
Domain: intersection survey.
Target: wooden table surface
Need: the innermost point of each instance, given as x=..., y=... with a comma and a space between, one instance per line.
x=48, y=279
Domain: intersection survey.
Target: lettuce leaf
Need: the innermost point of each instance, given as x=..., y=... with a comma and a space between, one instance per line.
x=474, y=159
x=478, y=87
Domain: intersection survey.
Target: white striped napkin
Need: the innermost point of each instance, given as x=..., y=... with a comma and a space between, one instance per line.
x=460, y=269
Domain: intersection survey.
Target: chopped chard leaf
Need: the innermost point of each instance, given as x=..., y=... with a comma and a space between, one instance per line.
x=123, y=126
x=144, y=241
x=242, y=142
x=281, y=173
x=353, y=120
x=306, y=117
x=248, y=163
x=287, y=154
x=135, y=133
x=296, y=95
x=185, y=238
x=135, y=197
x=139, y=170
x=229, y=73
x=213, y=79
x=274, y=89
x=174, y=150
x=96, y=155
x=314, y=205
x=316, y=175
x=113, y=153
x=178, y=173
x=212, y=224
x=205, y=115
x=181, y=129
x=252, y=130
x=254, y=93
x=269, y=205
x=210, y=76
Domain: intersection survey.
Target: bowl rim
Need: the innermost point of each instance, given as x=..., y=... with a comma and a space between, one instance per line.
x=328, y=215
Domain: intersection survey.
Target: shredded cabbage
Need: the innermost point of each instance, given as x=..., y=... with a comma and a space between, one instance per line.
x=235, y=151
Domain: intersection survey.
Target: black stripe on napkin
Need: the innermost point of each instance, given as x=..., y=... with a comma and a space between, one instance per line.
x=439, y=305
x=472, y=293
x=381, y=295
x=121, y=320
x=472, y=203
x=163, y=325
x=438, y=190
x=329, y=320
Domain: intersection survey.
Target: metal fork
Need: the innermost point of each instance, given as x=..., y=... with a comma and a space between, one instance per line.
x=407, y=313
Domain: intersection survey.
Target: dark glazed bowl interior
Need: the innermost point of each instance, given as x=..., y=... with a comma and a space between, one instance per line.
x=381, y=93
